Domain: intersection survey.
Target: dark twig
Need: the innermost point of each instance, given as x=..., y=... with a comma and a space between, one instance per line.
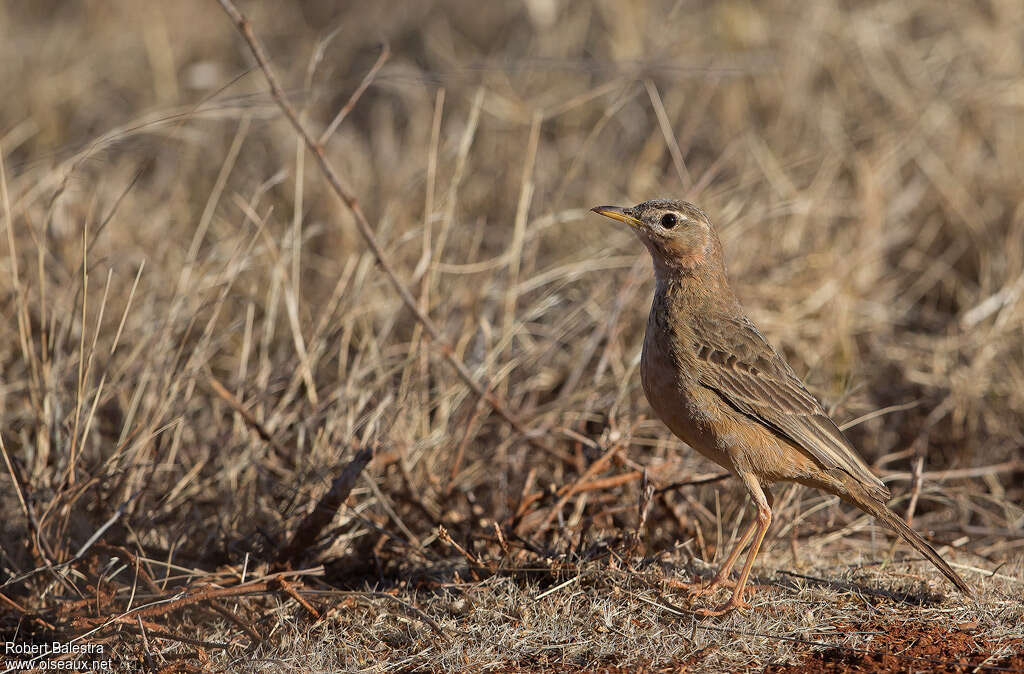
x=195, y=597
x=692, y=483
x=311, y=526
x=644, y=504
x=250, y=631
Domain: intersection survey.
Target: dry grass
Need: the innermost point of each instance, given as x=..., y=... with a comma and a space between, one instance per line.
x=197, y=341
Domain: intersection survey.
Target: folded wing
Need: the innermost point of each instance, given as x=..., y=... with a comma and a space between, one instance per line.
x=737, y=363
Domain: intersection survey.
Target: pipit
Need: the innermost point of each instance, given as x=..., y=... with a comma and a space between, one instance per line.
x=721, y=388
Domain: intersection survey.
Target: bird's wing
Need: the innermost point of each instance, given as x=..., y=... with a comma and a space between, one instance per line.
x=736, y=362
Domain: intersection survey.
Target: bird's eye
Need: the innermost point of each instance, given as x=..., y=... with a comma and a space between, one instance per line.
x=669, y=220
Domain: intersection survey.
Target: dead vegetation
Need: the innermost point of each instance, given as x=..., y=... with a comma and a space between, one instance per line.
x=229, y=445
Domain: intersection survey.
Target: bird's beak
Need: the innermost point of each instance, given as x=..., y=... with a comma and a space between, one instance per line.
x=620, y=214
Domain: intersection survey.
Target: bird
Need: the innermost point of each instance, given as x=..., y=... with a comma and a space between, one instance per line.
x=716, y=382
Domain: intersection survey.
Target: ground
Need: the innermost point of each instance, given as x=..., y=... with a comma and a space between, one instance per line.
x=372, y=403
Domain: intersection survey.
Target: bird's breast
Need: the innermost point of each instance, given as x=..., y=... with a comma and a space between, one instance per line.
x=674, y=395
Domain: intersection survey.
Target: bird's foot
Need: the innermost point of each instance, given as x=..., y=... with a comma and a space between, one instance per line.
x=699, y=589
x=702, y=589
x=735, y=602
x=695, y=589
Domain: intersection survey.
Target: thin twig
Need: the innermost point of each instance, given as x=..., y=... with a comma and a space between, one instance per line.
x=145, y=644
x=692, y=483
x=254, y=423
x=916, y=490
x=461, y=449
x=385, y=52
x=567, y=491
x=666, y=131
x=445, y=537
x=956, y=473
x=291, y=591
x=366, y=230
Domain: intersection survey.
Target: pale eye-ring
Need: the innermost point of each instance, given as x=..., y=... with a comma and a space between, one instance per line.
x=669, y=220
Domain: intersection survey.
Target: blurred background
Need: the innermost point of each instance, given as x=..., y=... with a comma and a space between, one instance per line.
x=197, y=341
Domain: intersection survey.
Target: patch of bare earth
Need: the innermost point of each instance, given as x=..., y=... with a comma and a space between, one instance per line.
x=912, y=646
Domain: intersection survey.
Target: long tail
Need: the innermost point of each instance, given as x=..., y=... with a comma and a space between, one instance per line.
x=894, y=522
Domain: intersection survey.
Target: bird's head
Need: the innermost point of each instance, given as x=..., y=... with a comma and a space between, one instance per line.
x=677, y=233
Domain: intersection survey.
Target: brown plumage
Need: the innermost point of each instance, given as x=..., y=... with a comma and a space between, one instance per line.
x=718, y=385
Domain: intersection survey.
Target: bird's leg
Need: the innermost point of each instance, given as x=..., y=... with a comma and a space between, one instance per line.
x=759, y=528
x=697, y=589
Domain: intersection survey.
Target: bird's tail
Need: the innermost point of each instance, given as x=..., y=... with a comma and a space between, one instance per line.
x=896, y=523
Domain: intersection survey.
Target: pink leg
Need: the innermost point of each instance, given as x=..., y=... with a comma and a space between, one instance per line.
x=697, y=589
x=760, y=528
